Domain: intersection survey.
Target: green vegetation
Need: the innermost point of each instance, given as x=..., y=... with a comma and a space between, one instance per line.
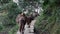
x=49, y=21
x=8, y=13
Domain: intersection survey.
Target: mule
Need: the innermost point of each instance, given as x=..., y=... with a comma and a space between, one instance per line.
x=31, y=17
x=21, y=19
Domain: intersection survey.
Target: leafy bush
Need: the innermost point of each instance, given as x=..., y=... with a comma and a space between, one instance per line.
x=7, y=18
x=48, y=22
x=14, y=30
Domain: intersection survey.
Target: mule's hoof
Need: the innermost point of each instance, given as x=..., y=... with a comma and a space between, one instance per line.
x=28, y=26
x=22, y=32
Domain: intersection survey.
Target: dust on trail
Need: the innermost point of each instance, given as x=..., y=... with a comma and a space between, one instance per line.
x=27, y=30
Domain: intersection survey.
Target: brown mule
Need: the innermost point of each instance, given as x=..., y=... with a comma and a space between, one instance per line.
x=21, y=19
x=31, y=17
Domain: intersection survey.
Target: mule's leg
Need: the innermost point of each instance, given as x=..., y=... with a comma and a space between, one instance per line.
x=23, y=25
x=20, y=29
x=28, y=24
x=23, y=29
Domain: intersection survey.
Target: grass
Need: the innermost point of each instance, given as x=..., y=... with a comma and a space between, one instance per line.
x=14, y=30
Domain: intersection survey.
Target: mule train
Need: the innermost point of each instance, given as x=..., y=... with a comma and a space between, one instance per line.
x=22, y=19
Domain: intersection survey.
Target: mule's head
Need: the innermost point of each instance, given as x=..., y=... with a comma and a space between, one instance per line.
x=34, y=14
